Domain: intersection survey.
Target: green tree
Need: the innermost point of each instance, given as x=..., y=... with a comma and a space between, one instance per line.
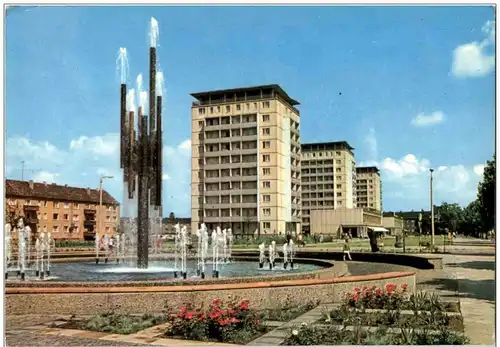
x=450, y=216
x=471, y=222
x=486, y=196
x=171, y=215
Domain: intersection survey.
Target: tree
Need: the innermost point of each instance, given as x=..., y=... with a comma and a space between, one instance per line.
x=12, y=213
x=451, y=216
x=471, y=222
x=171, y=215
x=486, y=195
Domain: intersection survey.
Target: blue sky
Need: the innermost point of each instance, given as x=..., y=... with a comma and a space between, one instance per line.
x=408, y=87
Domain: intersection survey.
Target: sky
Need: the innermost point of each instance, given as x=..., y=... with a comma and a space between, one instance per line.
x=409, y=88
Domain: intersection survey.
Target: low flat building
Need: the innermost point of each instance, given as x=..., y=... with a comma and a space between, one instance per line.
x=169, y=224
x=356, y=221
x=393, y=222
x=69, y=213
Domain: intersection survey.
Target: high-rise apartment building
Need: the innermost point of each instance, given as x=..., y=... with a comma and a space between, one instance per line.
x=369, y=188
x=246, y=160
x=328, y=172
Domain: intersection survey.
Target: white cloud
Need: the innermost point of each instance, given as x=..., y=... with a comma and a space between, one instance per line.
x=44, y=176
x=479, y=169
x=423, y=120
x=86, y=158
x=472, y=59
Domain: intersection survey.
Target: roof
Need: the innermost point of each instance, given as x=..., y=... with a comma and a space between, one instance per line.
x=321, y=146
x=414, y=214
x=46, y=191
x=373, y=169
x=275, y=87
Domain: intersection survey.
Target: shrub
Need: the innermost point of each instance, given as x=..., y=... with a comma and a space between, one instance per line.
x=390, y=298
x=73, y=243
x=232, y=322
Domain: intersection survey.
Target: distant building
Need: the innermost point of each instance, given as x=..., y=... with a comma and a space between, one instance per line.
x=410, y=220
x=169, y=224
x=356, y=221
x=69, y=213
x=368, y=188
x=328, y=178
x=393, y=222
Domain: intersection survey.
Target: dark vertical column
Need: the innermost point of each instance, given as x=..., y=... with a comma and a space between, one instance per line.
x=131, y=160
x=123, y=116
x=152, y=127
x=143, y=196
x=158, y=150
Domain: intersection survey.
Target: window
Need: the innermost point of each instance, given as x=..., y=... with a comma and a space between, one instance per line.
x=266, y=198
x=266, y=171
x=266, y=144
x=107, y=229
x=266, y=131
x=266, y=225
x=266, y=184
x=339, y=186
x=65, y=228
x=339, y=178
x=266, y=104
x=339, y=169
x=55, y=229
x=238, y=107
x=337, y=153
x=211, y=110
x=254, y=105
x=265, y=118
x=339, y=194
x=108, y=218
x=266, y=211
x=218, y=108
x=66, y=205
x=228, y=108
x=56, y=204
x=28, y=202
x=66, y=217
x=201, y=110
x=45, y=216
x=75, y=205
x=200, y=124
x=266, y=158
x=55, y=216
x=339, y=203
x=338, y=161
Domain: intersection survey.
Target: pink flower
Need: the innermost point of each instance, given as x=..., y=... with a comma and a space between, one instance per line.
x=216, y=301
x=355, y=297
x=356, y=289
x=404, y=286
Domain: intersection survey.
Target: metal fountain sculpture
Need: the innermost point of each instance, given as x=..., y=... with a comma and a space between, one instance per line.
x=141, y=146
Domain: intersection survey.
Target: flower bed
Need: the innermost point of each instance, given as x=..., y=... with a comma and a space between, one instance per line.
x=115, y=323
x=288, y=312
x=385, y=316
x=232, y=322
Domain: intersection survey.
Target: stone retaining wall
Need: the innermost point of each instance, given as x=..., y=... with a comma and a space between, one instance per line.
x=271, y=294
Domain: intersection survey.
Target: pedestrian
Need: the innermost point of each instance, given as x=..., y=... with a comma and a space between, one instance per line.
x=347, y=249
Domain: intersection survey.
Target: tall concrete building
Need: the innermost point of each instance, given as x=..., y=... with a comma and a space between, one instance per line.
x=328, y=178
x=369, y=188
x=246, y=160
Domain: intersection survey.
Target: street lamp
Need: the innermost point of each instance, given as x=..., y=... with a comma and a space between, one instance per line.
x=101, y=215
x=432, y=211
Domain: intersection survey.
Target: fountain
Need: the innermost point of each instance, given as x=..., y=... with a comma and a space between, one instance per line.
x=22, y=245
x=262, y=254
x=288, y=252
x=7, y=249
x=177, y=248
x=229, y=245
x=215, y=252
x=272, y=255
x=183, y=251
x=204, y=248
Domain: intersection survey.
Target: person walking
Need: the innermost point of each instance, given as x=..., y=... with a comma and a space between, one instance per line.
x=347, y=250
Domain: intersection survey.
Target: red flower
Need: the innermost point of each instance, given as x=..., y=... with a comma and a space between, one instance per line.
x=215, y=314
x=223, y=322
x=244, y=305
x=355, y=297
x=257, y=321
x=230, y=312
x=216, y=301
x=364, y=288
x=233, y=320
x=378, y=292
x=356, y=289
x=189, y=315
x=404, y=286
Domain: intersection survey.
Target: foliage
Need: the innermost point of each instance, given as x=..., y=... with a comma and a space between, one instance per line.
x=12, y=213
x=288, y=311
x=232, y=322
x=391, y=297
x=451, y=216
x=472, y=223
x=73, y=243
x=171, y=215
x=486, y=195
x=117, y=323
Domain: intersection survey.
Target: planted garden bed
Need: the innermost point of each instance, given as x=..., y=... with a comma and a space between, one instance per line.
x=231, y=322
x=385, y=316
x=287, y=312
x=115, y=323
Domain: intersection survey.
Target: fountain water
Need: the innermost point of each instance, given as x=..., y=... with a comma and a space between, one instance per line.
x=215, y=252
x=262, y=254
x=224, y=246
x=288, y=252
x=22, y=247
x=7, y=249
x=272, y=255
x=229, y=244
x=183, y=251
x=177, y=248
x=204, y=248
x=97, y=247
